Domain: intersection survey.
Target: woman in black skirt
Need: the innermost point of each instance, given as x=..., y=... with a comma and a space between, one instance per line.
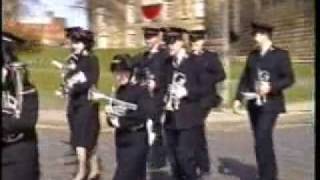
x=82, y=113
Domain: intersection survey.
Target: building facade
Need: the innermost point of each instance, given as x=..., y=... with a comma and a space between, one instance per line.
x=117, y=24
x=48, y=33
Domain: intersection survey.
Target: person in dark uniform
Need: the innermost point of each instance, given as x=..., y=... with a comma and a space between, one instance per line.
x=268, y=72
x=153, y=60
x=82, y=113
x=71, y=59
x=131, y=138
x=213, y=70
x=19, y=117
x=183, y=113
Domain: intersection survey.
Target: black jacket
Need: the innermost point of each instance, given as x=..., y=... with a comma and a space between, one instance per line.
x=213, y=73
x=89, y=65
x=155, y=62
x=189, y=113
x=25, y=149
x=138, y=95
x=277, y=62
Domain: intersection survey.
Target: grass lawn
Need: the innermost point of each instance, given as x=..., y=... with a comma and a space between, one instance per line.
x=47, y=79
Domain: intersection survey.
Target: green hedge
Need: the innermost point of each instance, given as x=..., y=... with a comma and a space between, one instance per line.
x=47, y=78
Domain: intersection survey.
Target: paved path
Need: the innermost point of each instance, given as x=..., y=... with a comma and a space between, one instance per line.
x=231, y=150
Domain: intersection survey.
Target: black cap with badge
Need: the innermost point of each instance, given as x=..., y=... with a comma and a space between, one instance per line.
x=172, y=34
x=263, y=28
x=150, y=32
x=70, y=30
x=120, y=62
x=197, y=35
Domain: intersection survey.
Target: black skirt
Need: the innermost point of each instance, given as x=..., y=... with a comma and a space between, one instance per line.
x=84, y=124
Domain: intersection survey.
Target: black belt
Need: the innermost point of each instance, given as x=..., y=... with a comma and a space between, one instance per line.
x=137, y=128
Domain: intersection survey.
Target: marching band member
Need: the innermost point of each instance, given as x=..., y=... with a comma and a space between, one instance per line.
x=83, y=114
x=272, y=66
x=69, y=62
x=19, y=117
x=131, y=138
x=153, y=60
x=183, y=116
x=214, y=73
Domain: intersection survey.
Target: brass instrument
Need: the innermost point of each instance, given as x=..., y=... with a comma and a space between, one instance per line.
x=263, y=78
x=118, y=106
x=171, y=99
x=12, y=101
x=68, y=74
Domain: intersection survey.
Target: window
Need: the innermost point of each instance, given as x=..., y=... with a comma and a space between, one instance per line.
x=199, y=8
x=131, y=15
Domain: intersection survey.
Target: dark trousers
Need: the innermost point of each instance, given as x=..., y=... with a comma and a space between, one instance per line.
x=20, y=170
x=262, y=124
x=157, y=152
x=202, y=152
x=131, y=155
x=181, y=153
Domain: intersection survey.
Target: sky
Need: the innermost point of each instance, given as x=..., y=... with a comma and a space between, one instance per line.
x=61, y=8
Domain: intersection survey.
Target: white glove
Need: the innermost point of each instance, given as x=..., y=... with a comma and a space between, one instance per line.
x=115, y=121
x=181, y=91
x=76, y=78
x=4, y=74
x=264, y=88
x=151, y=135
x=151, y=85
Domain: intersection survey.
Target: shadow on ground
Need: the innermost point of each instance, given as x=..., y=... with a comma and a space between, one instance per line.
x=233, y=167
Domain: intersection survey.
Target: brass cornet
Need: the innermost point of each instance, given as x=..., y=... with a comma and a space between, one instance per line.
x=12, y=103
x=95, y=95
x=171, y=99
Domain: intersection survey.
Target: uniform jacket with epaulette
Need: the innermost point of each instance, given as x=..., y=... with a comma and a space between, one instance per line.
x=136, y=94
x=212, y=69
x=277, y=62
x=189, y=113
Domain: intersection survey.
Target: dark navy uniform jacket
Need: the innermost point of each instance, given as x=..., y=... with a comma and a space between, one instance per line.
x=89, y=65
x=212, y=68
x=277, y=62
x=140, y=96
x=155, y=62
x=189, y=113
x=24, y=149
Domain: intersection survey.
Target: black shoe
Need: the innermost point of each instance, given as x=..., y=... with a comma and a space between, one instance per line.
x=205, y=176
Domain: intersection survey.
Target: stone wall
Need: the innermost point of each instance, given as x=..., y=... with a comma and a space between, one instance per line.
x=293, y=21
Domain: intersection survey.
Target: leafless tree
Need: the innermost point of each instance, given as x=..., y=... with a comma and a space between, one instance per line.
x=114, y=9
